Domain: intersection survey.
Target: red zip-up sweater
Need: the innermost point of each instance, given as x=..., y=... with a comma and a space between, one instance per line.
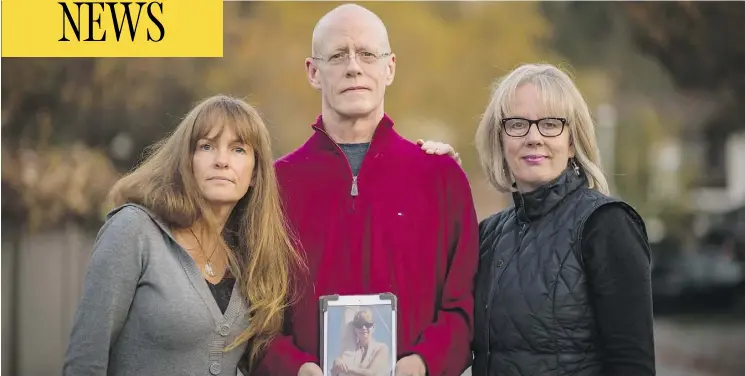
x=406, y=225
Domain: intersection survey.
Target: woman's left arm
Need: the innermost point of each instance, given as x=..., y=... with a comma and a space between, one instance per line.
x=617, y=260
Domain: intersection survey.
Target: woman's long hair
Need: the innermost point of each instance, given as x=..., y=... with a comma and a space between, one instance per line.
x=261, y=251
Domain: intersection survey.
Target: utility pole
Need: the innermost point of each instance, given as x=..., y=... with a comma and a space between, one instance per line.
x=606, y=125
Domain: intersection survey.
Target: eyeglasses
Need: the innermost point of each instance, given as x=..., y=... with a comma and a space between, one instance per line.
x=360, y=325
x=343, y=57
x=547, y=127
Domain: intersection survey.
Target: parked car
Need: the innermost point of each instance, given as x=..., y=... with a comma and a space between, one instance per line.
x=709, y=275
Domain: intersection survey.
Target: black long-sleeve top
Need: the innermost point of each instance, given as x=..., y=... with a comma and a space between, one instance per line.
x=617, y=262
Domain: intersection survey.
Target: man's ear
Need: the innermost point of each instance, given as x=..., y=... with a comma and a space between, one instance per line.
x=311, y=69
x=390, y=70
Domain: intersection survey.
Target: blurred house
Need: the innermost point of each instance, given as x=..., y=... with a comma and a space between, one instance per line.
x=721, y=158
x=706, y=266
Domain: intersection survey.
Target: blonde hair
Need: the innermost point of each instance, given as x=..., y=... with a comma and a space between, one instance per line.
x=364, y=315
x=349, y=336
x=560, y=97
x=261, y=251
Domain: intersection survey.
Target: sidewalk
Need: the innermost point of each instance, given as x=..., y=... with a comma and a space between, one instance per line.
x=690, y=348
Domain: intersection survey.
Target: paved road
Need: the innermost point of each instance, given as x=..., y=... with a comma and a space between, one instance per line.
x=694, y=347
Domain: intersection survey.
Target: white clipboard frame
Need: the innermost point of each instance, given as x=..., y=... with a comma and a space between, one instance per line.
x=326, y=301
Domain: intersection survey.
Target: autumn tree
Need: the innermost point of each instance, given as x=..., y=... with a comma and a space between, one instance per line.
x=701, y=45
x=448, y=56
x=697, y=44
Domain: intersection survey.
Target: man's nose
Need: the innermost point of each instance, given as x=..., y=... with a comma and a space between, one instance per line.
x=353, y=66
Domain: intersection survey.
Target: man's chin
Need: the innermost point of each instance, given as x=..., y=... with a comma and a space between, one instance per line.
x=356, y=110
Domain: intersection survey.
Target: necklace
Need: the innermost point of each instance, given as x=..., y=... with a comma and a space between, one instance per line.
x=207, y=265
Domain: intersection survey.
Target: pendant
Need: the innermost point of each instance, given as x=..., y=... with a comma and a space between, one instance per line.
x=209, y=270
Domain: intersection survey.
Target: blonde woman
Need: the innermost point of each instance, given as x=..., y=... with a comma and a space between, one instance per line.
x=563, y=287
x=190, y=271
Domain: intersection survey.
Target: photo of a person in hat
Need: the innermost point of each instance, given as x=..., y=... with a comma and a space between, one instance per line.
x=362, y=354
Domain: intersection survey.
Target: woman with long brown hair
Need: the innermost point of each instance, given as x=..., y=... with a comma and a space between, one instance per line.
x=192, y=268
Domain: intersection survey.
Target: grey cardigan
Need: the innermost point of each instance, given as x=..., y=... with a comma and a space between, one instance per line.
x=146, y=309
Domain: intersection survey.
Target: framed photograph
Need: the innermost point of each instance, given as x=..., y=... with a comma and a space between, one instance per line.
x=358, y=334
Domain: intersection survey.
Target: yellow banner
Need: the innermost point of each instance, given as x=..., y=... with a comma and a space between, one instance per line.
x=159, y=28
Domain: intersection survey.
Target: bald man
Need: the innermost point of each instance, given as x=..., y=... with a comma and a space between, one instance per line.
x=373, y=213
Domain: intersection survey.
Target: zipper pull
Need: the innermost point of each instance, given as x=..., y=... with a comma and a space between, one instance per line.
x=354, y=186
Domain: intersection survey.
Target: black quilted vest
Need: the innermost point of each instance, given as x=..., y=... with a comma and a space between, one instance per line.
x=533, y=316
